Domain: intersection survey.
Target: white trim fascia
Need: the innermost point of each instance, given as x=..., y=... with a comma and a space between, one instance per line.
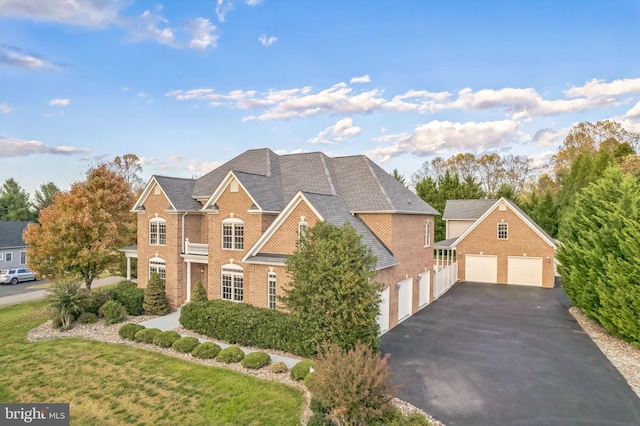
x=195, y=258
x=220, y=189
x=489, y=211
x=263, y=263
x=295, y=201
x=146, y=192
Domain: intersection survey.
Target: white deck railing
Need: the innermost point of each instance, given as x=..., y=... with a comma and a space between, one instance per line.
x=445, y=278
x=196, y=248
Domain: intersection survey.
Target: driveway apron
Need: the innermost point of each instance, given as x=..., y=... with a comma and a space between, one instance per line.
x=487, y=354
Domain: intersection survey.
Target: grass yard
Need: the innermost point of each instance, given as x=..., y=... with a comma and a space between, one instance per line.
x=110, y=384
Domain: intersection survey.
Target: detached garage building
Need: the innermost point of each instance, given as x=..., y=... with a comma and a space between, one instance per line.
x=496, y=242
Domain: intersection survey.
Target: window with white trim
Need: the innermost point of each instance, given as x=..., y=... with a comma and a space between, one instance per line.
x=23, y=257
x=233, y=234
x=427, y=234
x=157, y=232
x=232, y=283
x=302, y=229
x=503, y=230
x=271, y=281
x=8, y=256
x=159, y=266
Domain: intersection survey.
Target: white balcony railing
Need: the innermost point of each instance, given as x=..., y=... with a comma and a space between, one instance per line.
x=196, y=248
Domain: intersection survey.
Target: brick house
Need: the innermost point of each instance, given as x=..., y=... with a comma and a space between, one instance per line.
x=496, y=242
x=233, y=227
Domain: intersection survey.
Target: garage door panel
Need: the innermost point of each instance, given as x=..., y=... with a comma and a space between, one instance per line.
x=481, y=268
x=383, y=317
x=523, y=270
x=405, y=298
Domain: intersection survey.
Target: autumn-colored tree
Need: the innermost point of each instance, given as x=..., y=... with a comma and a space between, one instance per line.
x=83, y=228
x=129, y=167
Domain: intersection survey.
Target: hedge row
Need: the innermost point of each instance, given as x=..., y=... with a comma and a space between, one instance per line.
x=246, y=325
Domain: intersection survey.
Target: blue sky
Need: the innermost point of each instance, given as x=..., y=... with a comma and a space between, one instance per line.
x=188, y=85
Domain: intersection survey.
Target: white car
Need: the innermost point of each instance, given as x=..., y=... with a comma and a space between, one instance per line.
x=15, y=275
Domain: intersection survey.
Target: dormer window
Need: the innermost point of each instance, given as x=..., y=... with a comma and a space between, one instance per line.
x=157, y=232
x=233, y=234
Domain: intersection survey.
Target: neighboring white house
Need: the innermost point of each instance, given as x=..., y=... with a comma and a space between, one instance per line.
x=13, y=250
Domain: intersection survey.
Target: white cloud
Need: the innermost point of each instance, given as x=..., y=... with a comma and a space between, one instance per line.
x=437, y=137
x=152, y=26
x=223, y=7
x=5, y=109
x=600, y=88
x=542, y=159
x=202, y=167
x=86, y=13
x=267, y=41
x=634, y=112
x=339, y=132
x=10, y=147
x=285, y=152
x=363, y=79
x=59, y=102
x=550, y=137
x=20, y=58
x=631, y=119
x=202, y=34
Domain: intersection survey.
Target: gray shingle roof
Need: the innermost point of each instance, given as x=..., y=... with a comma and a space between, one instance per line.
x=466, y=209
x=179, y=191
x=11, y=234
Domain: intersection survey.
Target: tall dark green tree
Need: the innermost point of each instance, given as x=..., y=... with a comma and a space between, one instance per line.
x=331, y=289
x=43, y=196
x=14, y=202
x=601, y=250
x=399, y=177
x=544, y=211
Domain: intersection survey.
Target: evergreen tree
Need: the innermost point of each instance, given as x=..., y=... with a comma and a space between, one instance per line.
x=199, y=294
x=331, y=289
x=14, y=202
x=397, y=176
x=544, y=211
x=43, y=197
x=155, y=297
x=508, y=192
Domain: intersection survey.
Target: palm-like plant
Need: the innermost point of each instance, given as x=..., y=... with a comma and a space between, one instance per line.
x=67, y=300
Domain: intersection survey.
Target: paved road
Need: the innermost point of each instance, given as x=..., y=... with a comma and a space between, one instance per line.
x=12, y=294
x=487, y=354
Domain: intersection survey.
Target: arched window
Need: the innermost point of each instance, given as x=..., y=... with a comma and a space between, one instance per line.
x=157, y=232
x=233, y=234
x=158, y=266
x=232, y=283
x=271, y=284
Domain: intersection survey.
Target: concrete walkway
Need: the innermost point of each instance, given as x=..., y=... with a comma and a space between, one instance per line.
x=14, y=299
x=171, y=321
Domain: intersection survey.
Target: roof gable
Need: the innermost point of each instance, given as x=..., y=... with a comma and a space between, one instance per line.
x=466, y=209
x=11, y=233
x=228, y=180
x=176, y=190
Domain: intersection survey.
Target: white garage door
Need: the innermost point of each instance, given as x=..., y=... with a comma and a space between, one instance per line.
x=524, y=270
x=405, y=298
x=425, y=288
x=383, y=317
x=481, y=268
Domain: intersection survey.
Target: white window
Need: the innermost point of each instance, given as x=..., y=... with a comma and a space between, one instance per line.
x=302, y=229
x=427, y=234
x=232, y=283
x=158, y=266
x=23, y=257
x=157, y=232
x=271, y=280
x=8, y=256
x=503, y=231
x=233, y=234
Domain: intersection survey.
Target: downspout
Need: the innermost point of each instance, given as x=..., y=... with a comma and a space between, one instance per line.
x=183, y=216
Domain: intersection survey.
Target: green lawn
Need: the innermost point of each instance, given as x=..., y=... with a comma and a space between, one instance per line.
x=110, y=384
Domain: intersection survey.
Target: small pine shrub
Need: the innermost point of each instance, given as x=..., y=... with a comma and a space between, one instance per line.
x=165, y=339
x=256, y=360
x=230, y=355
x=128, y=331
x=199, y=294
x=278, y=367
x=185, y=344
x=113, y=312
x=206, y=350
x=94, y=300
x=301, y=369
x=353, y=385
x=130, y=296
x=147, y=335
x=155, y=296
x=87, y=318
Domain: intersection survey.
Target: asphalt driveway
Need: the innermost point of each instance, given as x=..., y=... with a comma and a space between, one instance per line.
x=486, y=354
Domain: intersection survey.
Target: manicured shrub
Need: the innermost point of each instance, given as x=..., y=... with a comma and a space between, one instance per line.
x=185, y=344
x=353, y=385
x=130, y=296
x=301, y=369
x=308, y=378
x=206, y=350
x=320, y=414
x=256, y=360
x=128, y=331
x=155, y=297
x=199, y=294
x=230, y=354
x=87, y=318
x=278, y=367
x=247, y=325
x=147, y=335
x=396, y=418
x=94, y=300
x=67, y=300
x=165, y=339
x=113, y=312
